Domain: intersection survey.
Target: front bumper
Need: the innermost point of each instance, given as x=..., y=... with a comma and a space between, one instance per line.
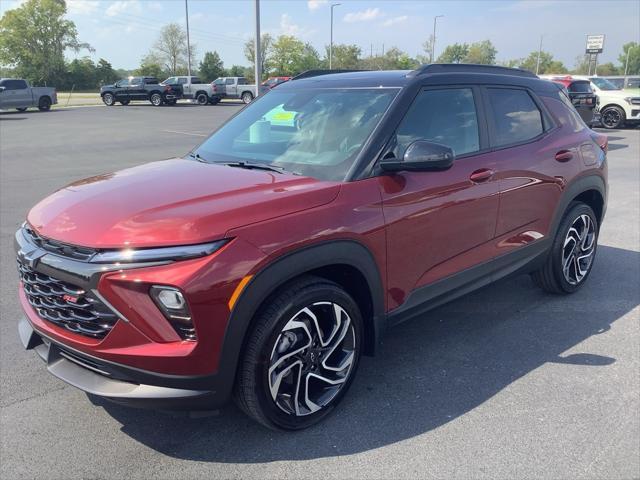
x=119, y=383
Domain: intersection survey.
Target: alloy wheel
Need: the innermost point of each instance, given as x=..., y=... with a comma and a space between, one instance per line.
x=312, y=359
x=578, y=249
x=611, y=118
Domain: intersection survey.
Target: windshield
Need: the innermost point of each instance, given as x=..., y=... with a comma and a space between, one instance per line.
x=603, y=83
x=311, y=132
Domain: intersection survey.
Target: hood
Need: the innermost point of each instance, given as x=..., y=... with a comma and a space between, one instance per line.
x=172, y=202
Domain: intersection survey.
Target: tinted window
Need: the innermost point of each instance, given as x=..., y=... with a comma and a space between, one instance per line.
x=242, y=81
x=195, y=80
x=151, y=81
x=446, y=116
x=516, y=117
x=136, y=81
x=14, y=84
x=580, y=87
x=229, y=81
x=122, y=83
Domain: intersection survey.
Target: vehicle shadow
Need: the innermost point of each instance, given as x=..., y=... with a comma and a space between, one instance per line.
x=429, y=371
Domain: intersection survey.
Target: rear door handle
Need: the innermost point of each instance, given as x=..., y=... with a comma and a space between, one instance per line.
x=481, y=175
x=564, y=155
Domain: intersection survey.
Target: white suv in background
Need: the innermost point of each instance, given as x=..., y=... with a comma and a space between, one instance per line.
x=617, y=107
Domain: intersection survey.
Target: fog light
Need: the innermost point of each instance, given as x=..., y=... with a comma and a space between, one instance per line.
x=172, y=299
x=173, y=306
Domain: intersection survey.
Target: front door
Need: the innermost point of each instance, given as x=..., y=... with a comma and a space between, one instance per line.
x=439, y=223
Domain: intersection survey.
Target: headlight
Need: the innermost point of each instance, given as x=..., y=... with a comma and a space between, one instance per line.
x=628, y=100
x=135, y=255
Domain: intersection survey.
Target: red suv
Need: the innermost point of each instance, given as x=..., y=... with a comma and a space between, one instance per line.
x=268, y=260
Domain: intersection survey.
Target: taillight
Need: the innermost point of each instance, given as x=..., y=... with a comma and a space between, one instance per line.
x=214, y=88
x=601, y=140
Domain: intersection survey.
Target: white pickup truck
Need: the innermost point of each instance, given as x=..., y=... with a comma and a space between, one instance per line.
x=17, y=93
x=193, y=88
x=237, y=87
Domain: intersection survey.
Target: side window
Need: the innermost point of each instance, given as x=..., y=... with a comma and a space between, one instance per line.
x=242, y=81
x=195, y=80
x=135, y=81
x=445, y=116
x=182, y=80
x=19, y=84
x=516, y=118
x=229, y=81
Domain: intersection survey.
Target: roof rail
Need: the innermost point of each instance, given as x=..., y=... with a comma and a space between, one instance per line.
x=317, y=73
x=469, y=68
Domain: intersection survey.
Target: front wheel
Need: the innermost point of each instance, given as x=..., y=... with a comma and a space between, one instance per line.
x=612, y=117
x=45, y=104
x=572, y=254
x=301, y=356
x=156, y=99
x=109, y=99
x=247, y=97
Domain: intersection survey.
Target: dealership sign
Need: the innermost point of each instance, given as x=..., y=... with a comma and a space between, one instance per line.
x=595, y=43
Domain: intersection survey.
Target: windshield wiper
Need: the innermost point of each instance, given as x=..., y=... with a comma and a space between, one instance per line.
x=197, y=157
x=256, y=166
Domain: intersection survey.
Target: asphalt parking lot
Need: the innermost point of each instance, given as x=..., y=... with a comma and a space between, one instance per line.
x=507, y=382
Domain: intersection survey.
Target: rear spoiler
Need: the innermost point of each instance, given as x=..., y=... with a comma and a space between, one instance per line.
x=317, y=73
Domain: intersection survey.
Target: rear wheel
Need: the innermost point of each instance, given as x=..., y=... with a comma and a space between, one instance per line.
x=202, y=98
x=612, y=117
x=156, y=99
x=247, y=97
x=44, y=105
x=301, y=356
x=109, y=99
x=22, y=109
x=573, y=251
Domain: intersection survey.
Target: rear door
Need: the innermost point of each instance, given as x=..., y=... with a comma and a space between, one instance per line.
x=440, y=223
x=530, y=177
x=23, y=96
x=231, y=87
x=137, y=89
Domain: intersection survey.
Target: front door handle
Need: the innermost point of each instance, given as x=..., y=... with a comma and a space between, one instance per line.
x=481, y=175
x=564, y=155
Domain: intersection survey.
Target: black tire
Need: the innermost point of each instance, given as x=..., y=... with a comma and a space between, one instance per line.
x=252, y=389
x=247, y=97
x=44, y=105
x=214, y=100
x=202, y=98
x=156, y=99
x=551, y=276
x=171, y=102
x=109, y=99
x=612, y=117
x=125, y=102
x=22, y=109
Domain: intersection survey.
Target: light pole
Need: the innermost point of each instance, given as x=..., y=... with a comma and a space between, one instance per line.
x=256, y=50
x=433, y=40
x=626, y=63
x=186, y=10
x=333, y=5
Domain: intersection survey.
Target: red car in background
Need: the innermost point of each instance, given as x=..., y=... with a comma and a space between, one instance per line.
x=273, y=82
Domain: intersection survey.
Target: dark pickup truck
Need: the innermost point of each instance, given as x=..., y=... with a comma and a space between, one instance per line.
x=139, y=88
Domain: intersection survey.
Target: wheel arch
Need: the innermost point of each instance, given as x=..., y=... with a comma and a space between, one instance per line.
x=345, y=262
x=202, y=91
x=590, y=190
x=48, y=97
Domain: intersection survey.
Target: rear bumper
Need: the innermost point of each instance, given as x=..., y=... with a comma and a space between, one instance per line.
x=120, y=383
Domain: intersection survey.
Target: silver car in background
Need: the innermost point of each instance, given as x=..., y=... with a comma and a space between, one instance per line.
x=17, y=93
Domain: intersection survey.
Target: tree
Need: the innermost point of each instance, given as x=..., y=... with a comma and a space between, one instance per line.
x=171, y=49
x=581, y=65
x=235, y=71
x=547, y=63
x=633, y=49
x=310, y=59
x=211, y=67
x=266, y=42
x=34, y=37
x=606, y=69
x=81, y=75
x=427, y=47
x=105, y=73
x=344, y=56
x=151, y=66
x=455, y=53
x=285, y=56
x=483, y=53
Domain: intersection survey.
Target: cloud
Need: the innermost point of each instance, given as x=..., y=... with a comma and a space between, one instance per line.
x=316, y=4
x=82, y=7
x=123, y=6
x=363, y=16
x=287, y=27
x=395, y=20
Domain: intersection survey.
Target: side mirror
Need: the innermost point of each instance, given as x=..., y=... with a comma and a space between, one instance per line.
x=421, y=156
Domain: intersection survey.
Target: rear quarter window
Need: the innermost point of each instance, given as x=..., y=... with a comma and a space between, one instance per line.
x=516, y=117
x=580, y=87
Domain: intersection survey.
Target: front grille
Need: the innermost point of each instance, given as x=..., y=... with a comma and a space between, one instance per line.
x=635, y=100
x=72, y=251
x=66, y=305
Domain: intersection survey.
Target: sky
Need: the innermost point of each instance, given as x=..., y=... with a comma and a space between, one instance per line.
x=122, y=31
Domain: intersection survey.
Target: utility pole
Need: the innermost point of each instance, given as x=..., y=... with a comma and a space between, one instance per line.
x=257, y=53
x=333, y=5
x=539, y=53
x=433, y=39
x=383, y=49
x=186, y=10
x=371, y=54
x=626, y=63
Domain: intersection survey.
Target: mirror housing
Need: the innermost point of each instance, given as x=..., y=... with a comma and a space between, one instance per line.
x=421, y=156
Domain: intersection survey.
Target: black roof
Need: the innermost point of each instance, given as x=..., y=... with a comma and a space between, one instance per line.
x=436, y=74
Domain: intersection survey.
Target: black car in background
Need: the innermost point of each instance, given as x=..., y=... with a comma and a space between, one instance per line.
x=139, y=88
x=582, y=97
